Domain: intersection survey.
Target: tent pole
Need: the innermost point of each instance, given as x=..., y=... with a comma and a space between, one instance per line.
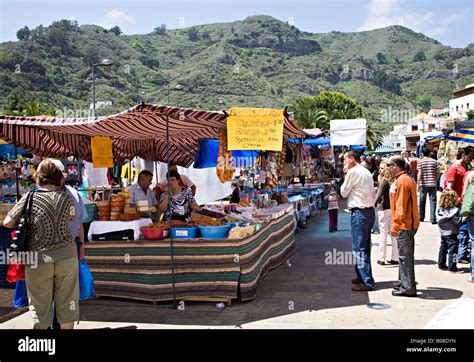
x=169, y=213
x=17, y=171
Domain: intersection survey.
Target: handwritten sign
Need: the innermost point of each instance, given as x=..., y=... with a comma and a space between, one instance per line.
x=255, y=129
x=102, y=152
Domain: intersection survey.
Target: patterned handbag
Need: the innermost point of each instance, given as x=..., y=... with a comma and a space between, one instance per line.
x=19, y=240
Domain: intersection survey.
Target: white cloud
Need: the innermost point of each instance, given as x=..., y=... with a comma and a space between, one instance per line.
x=383, y=13
x=437, y=31
x=455, y=17
x=116, y=17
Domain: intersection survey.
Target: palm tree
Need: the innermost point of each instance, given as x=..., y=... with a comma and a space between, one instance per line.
x=34, y=108
x=306, y=115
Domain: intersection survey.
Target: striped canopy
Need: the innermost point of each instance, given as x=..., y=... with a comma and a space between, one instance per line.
x=138, y=131
x=463, y=132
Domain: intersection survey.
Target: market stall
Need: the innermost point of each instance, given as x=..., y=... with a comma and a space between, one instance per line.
x=205, y=269
x=175, y=267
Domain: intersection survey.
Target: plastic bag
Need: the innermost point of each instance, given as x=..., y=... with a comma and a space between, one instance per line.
x=20, y=297
x=15, y=273
x=86, y=282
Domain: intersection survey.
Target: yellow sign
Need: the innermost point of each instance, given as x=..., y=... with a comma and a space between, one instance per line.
x=255, y=129
x=102, y=152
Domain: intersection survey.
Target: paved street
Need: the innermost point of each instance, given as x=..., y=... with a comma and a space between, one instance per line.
x=309, y=294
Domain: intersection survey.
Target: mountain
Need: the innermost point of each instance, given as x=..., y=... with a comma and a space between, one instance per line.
x=259, y=61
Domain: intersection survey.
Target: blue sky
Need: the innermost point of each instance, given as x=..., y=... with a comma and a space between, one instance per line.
x=449, y=21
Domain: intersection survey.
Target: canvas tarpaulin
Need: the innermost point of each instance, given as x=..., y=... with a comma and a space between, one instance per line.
x=348, y=132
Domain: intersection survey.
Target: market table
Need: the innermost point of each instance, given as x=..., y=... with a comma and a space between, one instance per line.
x=205, y=269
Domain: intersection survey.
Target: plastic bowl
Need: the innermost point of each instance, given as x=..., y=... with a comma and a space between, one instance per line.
x=184, y=233
x=214, y=232
x=154, y=233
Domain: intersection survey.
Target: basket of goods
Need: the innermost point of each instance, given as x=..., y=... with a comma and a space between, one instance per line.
x=183, y=230
x=241, y=232
x=214, y=231
x=232, y=221
x=155, y=231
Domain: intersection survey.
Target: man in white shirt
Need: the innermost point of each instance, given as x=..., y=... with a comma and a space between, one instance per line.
x=358, y=187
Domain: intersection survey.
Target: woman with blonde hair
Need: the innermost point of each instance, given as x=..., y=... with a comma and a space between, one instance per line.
x=55, y=278
x=382, y=204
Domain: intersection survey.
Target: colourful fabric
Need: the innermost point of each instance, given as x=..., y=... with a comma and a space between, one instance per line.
x=203, y=268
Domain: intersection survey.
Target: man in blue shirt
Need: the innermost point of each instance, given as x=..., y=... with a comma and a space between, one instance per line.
x=141, y=190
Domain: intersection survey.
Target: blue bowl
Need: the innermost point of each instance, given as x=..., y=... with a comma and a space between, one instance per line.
x=184, y=233
x=214, y=232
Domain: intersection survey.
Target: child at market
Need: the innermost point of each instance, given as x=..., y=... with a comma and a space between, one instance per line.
x=333, y=208
x=449, y=219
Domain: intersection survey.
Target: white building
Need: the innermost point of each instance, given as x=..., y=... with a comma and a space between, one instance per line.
x=462, y=101
x=419, y=125
x=101, y=104
x=396, y=138
x=438, y=112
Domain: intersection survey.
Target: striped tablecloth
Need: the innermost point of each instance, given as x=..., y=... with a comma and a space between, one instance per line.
x=204, y=268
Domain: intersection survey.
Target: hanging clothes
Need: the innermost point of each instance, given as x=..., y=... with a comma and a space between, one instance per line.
x=225, y=168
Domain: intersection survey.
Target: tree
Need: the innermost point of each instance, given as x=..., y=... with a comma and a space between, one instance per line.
x=307, y=115
x=470, y=115
x=37, y=32
x=381, y=58
x=419, y=57
x=192, y=34
x=424, y=102
x=116, y=30
x=161, y=30
x=23, y=34
x=34, y=108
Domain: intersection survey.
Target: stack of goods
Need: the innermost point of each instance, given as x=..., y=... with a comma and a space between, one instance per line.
x=117, y=205
x=143, y=207
x=103, y=213
x=130, y=213
x=127, y=196
x=4, y=209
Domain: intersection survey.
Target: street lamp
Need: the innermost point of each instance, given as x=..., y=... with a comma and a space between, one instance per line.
x=104, y=63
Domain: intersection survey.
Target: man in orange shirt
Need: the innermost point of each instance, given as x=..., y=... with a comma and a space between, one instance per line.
x=405, y=223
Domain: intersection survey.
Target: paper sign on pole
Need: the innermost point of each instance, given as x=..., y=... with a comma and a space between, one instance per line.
x=255, y=129
x=348, y=132
x=102, y=152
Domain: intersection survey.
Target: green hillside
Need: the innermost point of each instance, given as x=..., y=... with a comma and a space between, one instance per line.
x=259, y=61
